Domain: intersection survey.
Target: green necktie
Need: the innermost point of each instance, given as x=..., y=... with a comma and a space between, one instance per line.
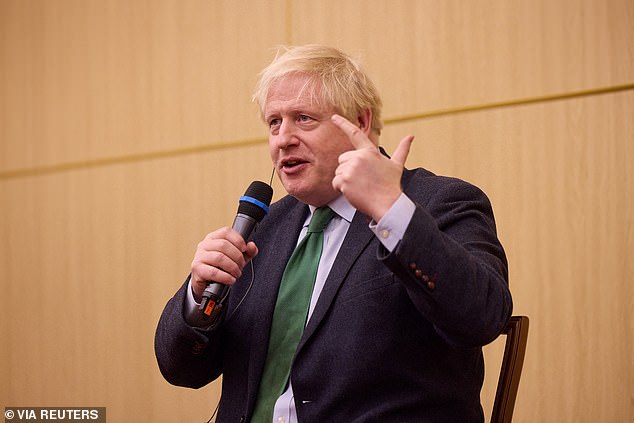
x=289, y=316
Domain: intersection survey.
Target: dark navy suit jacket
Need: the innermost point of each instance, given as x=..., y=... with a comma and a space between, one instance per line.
x=395, y=337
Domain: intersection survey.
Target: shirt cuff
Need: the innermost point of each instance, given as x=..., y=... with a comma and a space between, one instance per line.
x=391, y=228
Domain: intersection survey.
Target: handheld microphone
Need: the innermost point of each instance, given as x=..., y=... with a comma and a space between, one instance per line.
x=253, y=206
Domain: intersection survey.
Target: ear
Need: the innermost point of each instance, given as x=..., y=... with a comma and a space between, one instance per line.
x=365, y=121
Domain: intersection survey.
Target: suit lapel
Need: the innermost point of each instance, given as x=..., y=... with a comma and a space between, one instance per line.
x=269, y=268
x=356, y=241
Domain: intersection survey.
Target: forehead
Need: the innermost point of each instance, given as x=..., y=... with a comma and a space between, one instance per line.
x=294, y=91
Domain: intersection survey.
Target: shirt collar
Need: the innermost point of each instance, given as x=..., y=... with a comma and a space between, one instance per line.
x=341, y=206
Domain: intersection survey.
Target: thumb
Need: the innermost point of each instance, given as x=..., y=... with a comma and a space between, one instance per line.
x=402, y=151
x=251, y=251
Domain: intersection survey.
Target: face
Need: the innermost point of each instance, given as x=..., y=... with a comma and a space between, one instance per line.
x=304, y=143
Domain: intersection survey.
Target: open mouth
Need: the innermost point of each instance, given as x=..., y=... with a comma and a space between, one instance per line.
x=292, y=163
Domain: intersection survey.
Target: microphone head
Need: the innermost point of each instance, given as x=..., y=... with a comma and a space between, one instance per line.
x=256, y=200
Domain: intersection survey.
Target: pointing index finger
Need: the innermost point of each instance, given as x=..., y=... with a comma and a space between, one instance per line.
x=358, y=139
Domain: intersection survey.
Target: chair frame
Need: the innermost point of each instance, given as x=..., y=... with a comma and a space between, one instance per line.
x=516, y=332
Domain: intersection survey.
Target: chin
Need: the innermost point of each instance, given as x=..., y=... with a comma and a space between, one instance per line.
x=301, y=195
x=309, y=193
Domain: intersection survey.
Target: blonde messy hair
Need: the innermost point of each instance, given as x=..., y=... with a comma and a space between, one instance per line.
x=337, y=78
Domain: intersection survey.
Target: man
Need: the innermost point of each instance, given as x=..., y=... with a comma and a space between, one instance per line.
x=411, y=282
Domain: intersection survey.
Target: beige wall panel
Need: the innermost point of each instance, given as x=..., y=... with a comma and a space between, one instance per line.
x=81, y=80
x=432, y=55
x=88, y=260
x=88, y=257
x=561, y=181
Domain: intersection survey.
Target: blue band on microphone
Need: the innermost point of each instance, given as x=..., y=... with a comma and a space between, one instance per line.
x=256, y=202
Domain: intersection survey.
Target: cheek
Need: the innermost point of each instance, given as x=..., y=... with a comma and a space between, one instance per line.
x=339, y=142
x=337, y=149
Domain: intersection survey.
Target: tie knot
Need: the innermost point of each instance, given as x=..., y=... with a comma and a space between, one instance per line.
x=320, y=219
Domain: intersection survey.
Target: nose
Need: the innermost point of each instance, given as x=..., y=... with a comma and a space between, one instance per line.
x=286, y=135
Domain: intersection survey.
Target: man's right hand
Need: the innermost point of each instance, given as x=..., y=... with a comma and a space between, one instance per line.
x=220, y=257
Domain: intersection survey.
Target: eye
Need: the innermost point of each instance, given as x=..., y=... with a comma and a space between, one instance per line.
x=273, y=122
x=304, y=118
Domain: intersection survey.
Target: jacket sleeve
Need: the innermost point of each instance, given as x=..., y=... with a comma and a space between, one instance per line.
x=453, y=265
x=186, y=355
